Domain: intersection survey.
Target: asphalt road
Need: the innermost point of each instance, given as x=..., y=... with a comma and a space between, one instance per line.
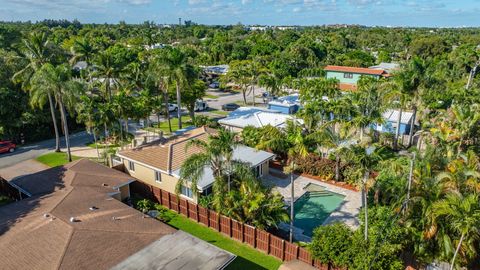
x=37, y=149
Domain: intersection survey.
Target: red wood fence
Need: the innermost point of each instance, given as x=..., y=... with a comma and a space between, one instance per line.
x=259, y=239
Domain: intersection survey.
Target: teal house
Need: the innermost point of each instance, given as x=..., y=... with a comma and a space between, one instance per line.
x=349, y=76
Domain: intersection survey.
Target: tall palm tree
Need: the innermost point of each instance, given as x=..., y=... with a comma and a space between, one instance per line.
x=107, y=72
x=158, y=73
x=36, y=50
x=66, y=91
x=180, y=72
x=462, y=215
x=83, y=50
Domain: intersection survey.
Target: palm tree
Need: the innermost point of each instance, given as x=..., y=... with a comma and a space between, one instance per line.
x=180, y=72
x=82, y=50
x=465, y=120
x=218, y=155
x=107, y=72
x=462, y=215
x=59, y=81
x=87, y=113
x=36, y=50
x=158, y=73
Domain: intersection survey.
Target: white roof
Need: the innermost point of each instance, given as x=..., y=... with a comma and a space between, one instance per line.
x=245, y=116
x=241, y=153
x=389, y=67
x=392, y=116
x=289, y=100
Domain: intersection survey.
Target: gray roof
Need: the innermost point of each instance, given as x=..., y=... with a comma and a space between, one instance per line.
x=255, y=117
x=178, y=251
x=240, y=153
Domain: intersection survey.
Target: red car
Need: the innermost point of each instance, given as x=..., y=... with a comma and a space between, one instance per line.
x=7, y=147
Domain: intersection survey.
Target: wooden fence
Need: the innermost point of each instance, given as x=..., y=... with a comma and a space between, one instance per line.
x=256, y=238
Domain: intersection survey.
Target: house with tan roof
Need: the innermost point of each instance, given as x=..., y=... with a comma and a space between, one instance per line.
x=349, y=76
x=73, y=218
x=158, y=163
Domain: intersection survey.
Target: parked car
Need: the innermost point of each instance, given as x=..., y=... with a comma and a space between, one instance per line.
x=214, y=85
x=230, y=107
x=7, y=147
x=200, y=105
x=172, y=107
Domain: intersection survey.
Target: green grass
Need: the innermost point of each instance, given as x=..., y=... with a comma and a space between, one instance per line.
x=219, y=112
x=54, y=159
x=210, y=96
x=247, y=257
x=101, y=146
x=186, y=121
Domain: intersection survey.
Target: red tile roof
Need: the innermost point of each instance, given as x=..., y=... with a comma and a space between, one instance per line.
x=379, y=72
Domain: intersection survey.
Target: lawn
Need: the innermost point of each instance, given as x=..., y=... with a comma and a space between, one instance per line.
x=247, y=257
x=219, y=112
x=210, y=96
x=55, y=159
x=163, y=126
x=101, y=146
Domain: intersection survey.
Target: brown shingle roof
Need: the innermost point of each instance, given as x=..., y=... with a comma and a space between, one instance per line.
x=36, y=233
x=355, y=70
x=168, y=156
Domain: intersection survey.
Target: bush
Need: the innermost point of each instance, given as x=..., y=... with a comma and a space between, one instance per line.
x=144, y=205
x=202, y=120
x=331, y=244
x=316, y=165
x=163, y=213
x=206, y=201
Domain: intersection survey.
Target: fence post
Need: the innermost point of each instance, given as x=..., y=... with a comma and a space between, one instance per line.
x=161, y=196
x=268, y=243
x=169, y=203
x=283, y=250
x=255, y=237
x=196, y=211
x=188, y=213
x=297, y=251
x=230, y=227
x=208, y=217
x=242, y=228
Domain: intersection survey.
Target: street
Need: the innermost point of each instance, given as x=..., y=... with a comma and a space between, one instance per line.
x=34, y=150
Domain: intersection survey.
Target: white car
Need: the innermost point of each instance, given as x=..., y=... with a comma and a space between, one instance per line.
x=200, y=105
x=172, y=107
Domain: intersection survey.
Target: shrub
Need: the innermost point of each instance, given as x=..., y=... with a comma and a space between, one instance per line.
x=332, y=244
x=315, y=165
x=144, y=205
x=163, y=213
x=206, y=201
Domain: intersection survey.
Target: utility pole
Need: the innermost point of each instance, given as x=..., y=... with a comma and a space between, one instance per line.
x=292, y=212
x=410, y=176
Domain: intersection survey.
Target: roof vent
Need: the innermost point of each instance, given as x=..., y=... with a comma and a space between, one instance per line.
x=104, y=185
x=46, y=215
x=115, y=218
x=73, y=219
x=93, y=208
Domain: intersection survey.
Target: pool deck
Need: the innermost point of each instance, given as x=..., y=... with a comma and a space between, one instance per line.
x=346, y=213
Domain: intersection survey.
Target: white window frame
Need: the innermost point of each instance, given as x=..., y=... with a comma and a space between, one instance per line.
x=158, y=176
x=188, y=191
x=131, y=166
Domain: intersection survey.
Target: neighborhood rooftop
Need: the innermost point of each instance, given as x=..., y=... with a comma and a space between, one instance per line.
x=369, y=71
x=71, y=221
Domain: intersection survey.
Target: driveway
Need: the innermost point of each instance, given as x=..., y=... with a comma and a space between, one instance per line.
x=34, y=150
x=22, y=168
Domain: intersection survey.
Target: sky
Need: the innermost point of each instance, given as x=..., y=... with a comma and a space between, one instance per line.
x=432, y=13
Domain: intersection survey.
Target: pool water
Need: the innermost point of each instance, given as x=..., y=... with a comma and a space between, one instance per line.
x=314, y=207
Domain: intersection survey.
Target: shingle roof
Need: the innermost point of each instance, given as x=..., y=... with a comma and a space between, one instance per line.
x=355, y=70
x=168, y=156
x=36, y=233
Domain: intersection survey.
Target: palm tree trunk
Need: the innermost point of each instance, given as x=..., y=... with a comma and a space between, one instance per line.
x=452, y=264
x=244, y=93
x=165, y=97
x=253, y=95
x=337, y=167
x=65, y=128
x=361, y=133
x=412, y=125
x=179, y=104
x=397, y=130
x=365, y=195
x=96, y=143
x=55, y=127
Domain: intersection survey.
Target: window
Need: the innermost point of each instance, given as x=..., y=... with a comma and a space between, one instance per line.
x=131, y=166
x=347, y=75
x=187, y=192
x=158, y=177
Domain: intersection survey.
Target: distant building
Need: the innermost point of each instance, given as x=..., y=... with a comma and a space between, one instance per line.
x=286, y=105
x=391, y=119
x=216, y=70
x=388, y=67
x=254, y=117
x=349, y=76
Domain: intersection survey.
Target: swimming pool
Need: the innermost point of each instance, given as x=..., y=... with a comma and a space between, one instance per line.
x=314, y=207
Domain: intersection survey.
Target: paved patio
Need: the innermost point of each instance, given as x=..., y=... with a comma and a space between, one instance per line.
x=346, y=213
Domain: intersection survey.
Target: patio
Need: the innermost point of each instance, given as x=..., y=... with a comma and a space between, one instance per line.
x=346, y=213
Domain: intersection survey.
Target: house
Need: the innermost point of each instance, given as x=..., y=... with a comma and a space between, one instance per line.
x=391, y=120
x=349, y=76
x=388, y=67
x=254, y=117
x=73, y=218
x=288, y=104
x=158, y=163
